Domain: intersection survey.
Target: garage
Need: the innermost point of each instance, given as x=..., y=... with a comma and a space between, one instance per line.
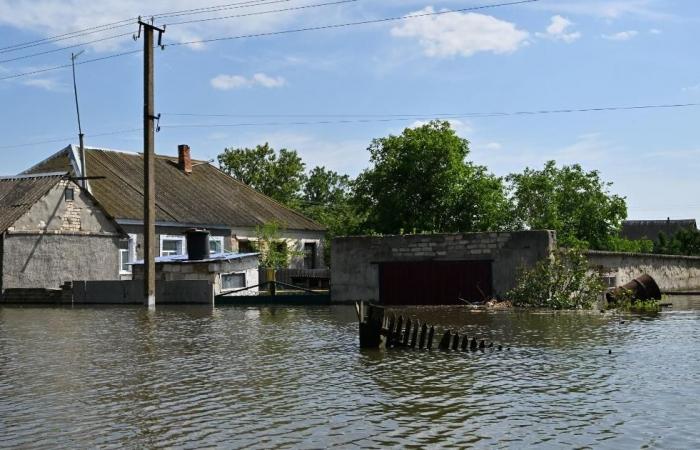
x=434, y=282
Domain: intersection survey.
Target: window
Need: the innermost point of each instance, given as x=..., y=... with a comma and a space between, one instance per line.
x=216, y=244
x=245, y=246
x=172, y=245
x=309, y=255
x=231, y=281
x=124, y=266
x=69, y=195
x=127, y=255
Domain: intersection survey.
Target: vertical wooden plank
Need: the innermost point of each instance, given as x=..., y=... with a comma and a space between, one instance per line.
x=414, y=335
x=445, y=341
x=390, y=331
x=465, y=343
x=472, y=344
x=397, y=332
x=423, y=333
x=407, y=333
x=455, y=341
x=431, y=334
x=482, y=345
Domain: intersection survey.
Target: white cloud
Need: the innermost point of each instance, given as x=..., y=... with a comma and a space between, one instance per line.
x=692, y=89
x=43, y=83
x=621, y=36
x=228, y=82
x=655, y=31
x=461, y=34
x=493, y=146
x=557, y=30
x=608, y=9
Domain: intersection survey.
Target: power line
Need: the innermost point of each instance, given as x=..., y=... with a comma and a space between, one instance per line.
x=370, y=118
x=87, y=61
x=70, y=138
x=293, y=8
x=350, y=24
x=31, y=55
x=64, y=66
x=127, y=22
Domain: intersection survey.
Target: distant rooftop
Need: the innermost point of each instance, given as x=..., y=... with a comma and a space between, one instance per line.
x=650, y=229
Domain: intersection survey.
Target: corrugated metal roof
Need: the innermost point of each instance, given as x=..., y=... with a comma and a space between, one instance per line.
x=650, y=229
x=18, y=194
x=207, y=196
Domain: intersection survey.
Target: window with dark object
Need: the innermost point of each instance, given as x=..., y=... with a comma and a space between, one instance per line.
x=245, y=247
x=310, y=255
x=230, y=281
x=70, y=194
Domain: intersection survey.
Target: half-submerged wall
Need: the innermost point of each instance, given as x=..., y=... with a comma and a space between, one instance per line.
x=671, y=272
x=356, y=261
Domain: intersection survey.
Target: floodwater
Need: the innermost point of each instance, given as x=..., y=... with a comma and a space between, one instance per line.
x=294, y=378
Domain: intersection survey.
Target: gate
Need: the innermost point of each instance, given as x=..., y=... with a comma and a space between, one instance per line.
x=434, y=282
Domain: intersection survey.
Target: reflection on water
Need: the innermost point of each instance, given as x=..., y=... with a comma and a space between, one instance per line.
x=294, y=377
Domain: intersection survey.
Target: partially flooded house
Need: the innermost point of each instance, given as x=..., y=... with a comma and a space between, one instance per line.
x=189, y=194
x=52, y=231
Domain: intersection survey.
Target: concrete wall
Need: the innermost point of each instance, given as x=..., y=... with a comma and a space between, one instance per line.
x=131, y=292
x=210, y=271
x=48, y=260
x=672, y=273
x=355, y=269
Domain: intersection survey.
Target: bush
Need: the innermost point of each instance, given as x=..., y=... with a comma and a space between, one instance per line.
x=563, y=281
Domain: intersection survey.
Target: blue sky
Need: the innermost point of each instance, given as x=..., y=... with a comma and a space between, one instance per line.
x=544, y=55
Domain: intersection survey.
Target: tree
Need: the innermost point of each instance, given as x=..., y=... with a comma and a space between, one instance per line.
x=280, y=176
x=683, y=242
x=578, y=205
x=421, y=180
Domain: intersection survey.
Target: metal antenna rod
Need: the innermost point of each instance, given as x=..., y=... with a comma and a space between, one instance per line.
x=83, y=175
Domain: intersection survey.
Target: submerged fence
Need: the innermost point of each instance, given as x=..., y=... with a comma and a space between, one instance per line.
x=378, y=329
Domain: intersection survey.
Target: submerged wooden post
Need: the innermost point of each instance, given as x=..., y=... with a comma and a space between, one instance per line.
x=423, y=332
x=390, y=331
x=445, y=341
x=472, y=344
x=407, y=333
x=431, y=334
x=465, y=343
x=414, y=335
x=371, y=328
x=397, y=333
x=455, y=342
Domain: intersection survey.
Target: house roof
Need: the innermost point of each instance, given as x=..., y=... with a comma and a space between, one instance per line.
x=207, y=196
x=19, y=193
x=650, y=229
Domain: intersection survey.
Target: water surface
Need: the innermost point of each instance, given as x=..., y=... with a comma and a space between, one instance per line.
x=294, y=377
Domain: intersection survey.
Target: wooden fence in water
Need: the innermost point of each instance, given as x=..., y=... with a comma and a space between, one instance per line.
x=379, y=329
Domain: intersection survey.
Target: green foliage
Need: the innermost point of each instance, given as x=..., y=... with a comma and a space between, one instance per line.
x=618, y=244
x=274, y=252
x=576, y=204
x=684, y=242
x=623, y=300
x=561, y=282
x=277, y=175
x=421, y=179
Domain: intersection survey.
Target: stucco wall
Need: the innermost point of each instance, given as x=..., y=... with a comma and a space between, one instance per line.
x=48, y=260
x=355, y=268
x=672, y=273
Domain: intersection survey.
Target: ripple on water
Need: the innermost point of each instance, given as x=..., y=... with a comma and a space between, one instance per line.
x=293, y=377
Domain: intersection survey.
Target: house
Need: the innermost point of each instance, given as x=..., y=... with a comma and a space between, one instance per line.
x=650, y=229
x=52, y=231
x=189, y=193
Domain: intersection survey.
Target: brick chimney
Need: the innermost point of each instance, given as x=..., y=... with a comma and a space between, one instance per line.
x=184, y=161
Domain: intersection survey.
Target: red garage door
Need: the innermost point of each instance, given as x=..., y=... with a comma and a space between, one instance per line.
x=434, y=282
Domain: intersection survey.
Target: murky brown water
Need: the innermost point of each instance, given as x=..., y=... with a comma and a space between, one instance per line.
x=286, y=377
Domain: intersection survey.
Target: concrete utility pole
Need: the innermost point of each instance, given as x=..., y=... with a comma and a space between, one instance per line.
x=149, y=182
x=83, y=175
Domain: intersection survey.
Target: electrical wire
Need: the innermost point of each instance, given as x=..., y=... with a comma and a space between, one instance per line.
x=70, y=138
x=370, y=118
x=350, y=24
x=257, y=13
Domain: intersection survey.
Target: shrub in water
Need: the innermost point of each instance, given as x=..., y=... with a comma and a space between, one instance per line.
x=563, y=281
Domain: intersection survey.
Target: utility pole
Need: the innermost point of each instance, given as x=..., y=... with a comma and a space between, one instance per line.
x=83, y=182
x=149, y=182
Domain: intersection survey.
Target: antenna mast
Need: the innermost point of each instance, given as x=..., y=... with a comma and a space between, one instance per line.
x=83, y=175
